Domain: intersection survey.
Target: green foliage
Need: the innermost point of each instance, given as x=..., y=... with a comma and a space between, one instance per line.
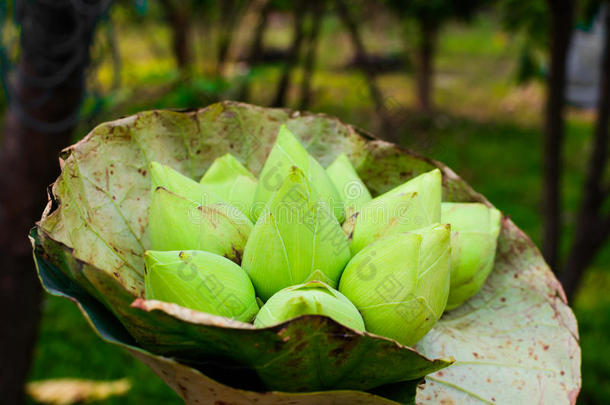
x=529, y=66
x=593, y=312
x=529, y=17
x=532, y=20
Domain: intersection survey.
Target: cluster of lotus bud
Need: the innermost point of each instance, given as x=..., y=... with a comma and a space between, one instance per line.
x=304, y=240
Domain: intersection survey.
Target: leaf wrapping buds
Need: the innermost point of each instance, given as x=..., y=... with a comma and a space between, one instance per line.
x=400, y=283
x=228, y=178
x=351, y=189
x=176, y=223
x=475, y=228
x=288, y=152
x=412, y=205
x=296, y=239
x=201, y=281
x=312, y=298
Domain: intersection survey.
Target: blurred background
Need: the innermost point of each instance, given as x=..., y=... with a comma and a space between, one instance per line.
x=513, y=95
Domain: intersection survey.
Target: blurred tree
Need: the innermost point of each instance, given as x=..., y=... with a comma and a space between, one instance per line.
x=115, y=54
x=317, y=13
x=561, y=14
x=44, y=98
x=221, y=16
x=303, y=37
x=299, y=13
x=549, y=24
x=255, y=51
x=351, y=23
x=231, y=12
x=530, y=18
x=178, y=14
x=429, y=16
x=593, y=220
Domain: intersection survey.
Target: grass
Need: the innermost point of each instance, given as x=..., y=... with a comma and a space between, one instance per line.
x=487, y=129
x=68, y=347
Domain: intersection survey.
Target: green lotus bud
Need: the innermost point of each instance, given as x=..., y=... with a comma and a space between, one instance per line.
x=177, y=183
x=351, y=189
x=176, y=223
x=400, y=283
x=312, y=298
x=228, y=178
x=296, y=239
x=412, y=205
x=288, y=152
x=202, y=281
x=474, y=232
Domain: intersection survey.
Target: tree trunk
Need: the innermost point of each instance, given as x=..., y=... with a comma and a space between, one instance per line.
x=310, y=58
x=177, y=14
x=115, y=52
x=44, y=99
x=256, y=48
x=259, y=34
x=592, y=229
x=425, y=69
x=361, y=54
x=181, y=40
x=228, y=20
x=589, y=238
x=562, y=14
x=295, y=47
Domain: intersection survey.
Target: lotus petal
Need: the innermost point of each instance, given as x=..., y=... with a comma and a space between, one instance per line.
x=286, y=153
x=412, y=205
x=312, y=298
x=296, y=239
x=202, y=281
x=176, y=223
x=164, y=176
x=352, y=190
x=228, y=178
x=475, y=228
x=400, y=283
